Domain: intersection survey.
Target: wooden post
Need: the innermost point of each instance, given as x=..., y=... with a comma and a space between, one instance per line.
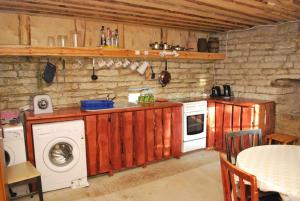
x=24, y=30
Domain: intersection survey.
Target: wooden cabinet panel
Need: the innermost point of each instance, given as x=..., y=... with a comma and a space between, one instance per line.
x=115, y=142
x=176, y=131
x=158, y=134
x=167, y=132
x=247, y=118
x=227, y=122
x=224, y=117
x=91, y=143
x=150, y=135
x=139, y=137
x=103, y=129
x=127, y=127
x=211, y=115
x=219, y=118
x=236, y=119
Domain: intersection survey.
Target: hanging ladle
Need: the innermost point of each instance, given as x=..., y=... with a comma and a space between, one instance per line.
x=94, y=76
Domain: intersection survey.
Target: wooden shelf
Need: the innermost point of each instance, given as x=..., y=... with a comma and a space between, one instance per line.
x=105, y=52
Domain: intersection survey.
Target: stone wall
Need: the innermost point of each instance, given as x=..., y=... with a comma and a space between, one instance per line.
x=256, y=58
x=19, y=83
x=18, y=75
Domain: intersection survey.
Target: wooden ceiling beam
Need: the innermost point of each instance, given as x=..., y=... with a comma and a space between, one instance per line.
x=172, y=7
x=199, y=15
x=112, y=17
x=94, y=7
x=41, y=8
x=191, y=4
x=240, y=8
x=278, y=7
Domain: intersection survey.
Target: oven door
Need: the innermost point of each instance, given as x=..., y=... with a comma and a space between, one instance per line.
x=194, y=125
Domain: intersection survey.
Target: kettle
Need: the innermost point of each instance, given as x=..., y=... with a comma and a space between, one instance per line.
x=215, y=91
x=227, y=90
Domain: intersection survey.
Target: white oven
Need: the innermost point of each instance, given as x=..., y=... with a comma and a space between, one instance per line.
x=194, y=125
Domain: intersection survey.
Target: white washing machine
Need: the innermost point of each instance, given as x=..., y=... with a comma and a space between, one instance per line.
x=15, y=152
x=60, y=154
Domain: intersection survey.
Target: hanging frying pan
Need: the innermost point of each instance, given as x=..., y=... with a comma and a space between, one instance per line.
x=164, y=76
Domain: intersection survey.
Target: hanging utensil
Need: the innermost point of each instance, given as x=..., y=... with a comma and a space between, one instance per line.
x=64, y=68
x=165, y=76
x=94, y=76
x=152, y=73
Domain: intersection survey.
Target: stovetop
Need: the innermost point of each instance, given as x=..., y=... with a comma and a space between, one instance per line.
x=188, y=100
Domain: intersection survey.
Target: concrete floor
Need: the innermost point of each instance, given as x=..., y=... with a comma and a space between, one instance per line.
x=194, y=177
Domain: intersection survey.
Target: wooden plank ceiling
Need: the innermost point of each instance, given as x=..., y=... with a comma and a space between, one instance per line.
x=200, y=15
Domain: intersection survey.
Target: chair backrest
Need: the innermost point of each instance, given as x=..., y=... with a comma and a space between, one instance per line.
x=240, y=140
x=234, y=182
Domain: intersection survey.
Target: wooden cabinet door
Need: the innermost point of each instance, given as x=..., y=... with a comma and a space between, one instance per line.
x=150, y=135
x=91, y=144
x=103, y=131
x=127, y=139
x=139, y=137
x=158, y=133
x=176, y=131
x=219, y=119
x=227, y=122
x=211, y=125
x=167, y=134
x=115, y=142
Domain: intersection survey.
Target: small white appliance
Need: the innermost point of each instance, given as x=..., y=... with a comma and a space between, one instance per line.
x=15, y=152
x=194, y=125
x=42, y=104
x=60, y=154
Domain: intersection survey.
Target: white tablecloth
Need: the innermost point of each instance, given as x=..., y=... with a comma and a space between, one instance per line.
x=276, y=167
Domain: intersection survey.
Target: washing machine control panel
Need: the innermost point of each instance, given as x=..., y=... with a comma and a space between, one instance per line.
x=13, y=132
x=13, y=135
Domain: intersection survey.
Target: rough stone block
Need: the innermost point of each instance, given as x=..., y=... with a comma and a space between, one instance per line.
x=8, y=74
x=275, y=58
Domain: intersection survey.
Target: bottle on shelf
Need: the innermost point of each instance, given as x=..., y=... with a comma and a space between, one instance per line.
x=116, y=38
x=108, y=36
x=113, y=39
x=102, y=37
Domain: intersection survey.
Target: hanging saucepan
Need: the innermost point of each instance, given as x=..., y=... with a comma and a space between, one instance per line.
x=164, y=76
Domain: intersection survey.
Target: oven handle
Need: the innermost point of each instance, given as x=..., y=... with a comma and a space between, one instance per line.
x=195, y=113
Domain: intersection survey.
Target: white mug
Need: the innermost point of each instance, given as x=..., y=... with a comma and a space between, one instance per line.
x=118, y=64
x=142, y=68
x=134, y=65
x=101, y=63
x=109, y=63
x=125, y=63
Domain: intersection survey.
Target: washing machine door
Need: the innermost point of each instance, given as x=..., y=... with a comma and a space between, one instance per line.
x=9, y=156
x=61, y=154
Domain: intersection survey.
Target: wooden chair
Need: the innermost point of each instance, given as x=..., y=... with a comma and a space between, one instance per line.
x=239, y=185
x=281, y=138
x=233, y=179
x=24, y=173
x=240, y=140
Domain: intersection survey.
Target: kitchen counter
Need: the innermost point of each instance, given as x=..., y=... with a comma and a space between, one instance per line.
x=76, y=112
x=122, y=137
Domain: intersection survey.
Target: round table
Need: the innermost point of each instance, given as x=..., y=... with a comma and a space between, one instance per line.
x=276, y=167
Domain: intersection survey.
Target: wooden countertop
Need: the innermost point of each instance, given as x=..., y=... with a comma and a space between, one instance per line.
x=76, y=112
x=247, y=102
